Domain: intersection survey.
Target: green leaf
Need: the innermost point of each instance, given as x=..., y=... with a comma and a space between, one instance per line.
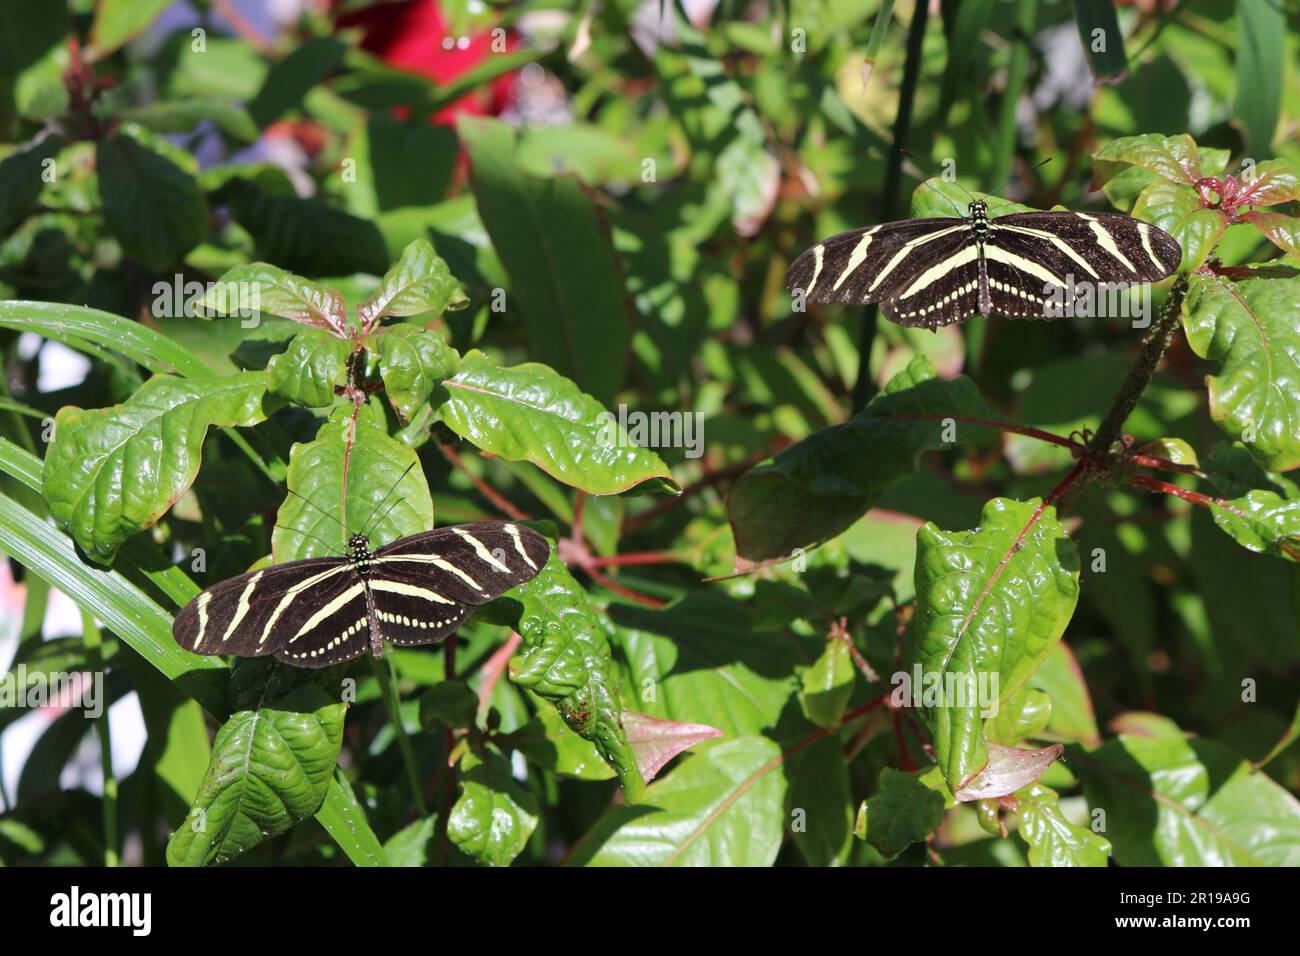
x=290, y=79
x=305, y=236
x=906, y=808
x=828, y=684
x=556, y=247
x=1174, y=801
x=412, y=362
x=1282, y=231
x=1053, y=840
x=566, y=659
x=345, y=821
x=28, y=33
x=530, y=413
x=1025, y=715
x=1261, y=521
x=21, y=182
x=990, y=604
x=1110, y=63
x=152, y=207
x=1252, y=328
x=1174, y=158
x=1073, y=718
x=1179, y=211
x=449, y=703
x=818, y=801
x=387, y=495
x=272, y=763
x=551, y=744
x=814, y=490
x=1261, y=63
x=307, y=372
x=117, y=22
x=112, y=472
x=262, y=287
x=721, y=807
x=418, y=282
x=494, y=815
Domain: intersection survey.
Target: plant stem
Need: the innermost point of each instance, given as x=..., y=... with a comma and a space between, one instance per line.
x=383, y=673
x=93, y=641
x=1139, y=376
x=862, y=386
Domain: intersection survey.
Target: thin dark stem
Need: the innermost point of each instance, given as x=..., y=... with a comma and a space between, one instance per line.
x=862, y=387
x=1139, y=376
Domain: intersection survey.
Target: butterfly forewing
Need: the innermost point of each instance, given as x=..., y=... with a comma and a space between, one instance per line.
x=933, y=272
x=317, y=612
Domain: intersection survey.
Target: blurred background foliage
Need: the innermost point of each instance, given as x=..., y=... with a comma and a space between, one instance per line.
x=637, y=175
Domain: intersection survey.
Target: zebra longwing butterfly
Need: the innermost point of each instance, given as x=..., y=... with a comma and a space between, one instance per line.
x=319, y=611
x=933, y=272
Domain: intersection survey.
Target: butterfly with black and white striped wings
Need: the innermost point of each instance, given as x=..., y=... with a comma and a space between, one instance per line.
x=933, y=272
x=320, y=611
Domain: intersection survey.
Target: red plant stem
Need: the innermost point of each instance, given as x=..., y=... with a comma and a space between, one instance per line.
x=902, y=743
x=610, y=584
x=635, y=557
x=1027, y=430
x=494, y=668
x=500, y=502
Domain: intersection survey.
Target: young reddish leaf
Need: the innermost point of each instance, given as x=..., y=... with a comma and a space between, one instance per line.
x=419, y=282
x=1282, y=231
x=1008, y=769
x=272, y=290
x=655, y=741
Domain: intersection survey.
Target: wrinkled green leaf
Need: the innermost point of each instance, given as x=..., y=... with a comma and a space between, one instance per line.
x=112, y=472
x=262, y=287
x=566, y=659
x=272, y=762
x=1262, y=521
x=387, y=494
x=495, y=815
x=418, y=282
x=1252, y=329
x=412, y=362
x=530, y=413
x=990, y=605
x=307, y=372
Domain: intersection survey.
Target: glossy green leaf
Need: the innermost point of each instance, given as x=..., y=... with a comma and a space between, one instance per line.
x=722, y=807
x=112, y=472
x=1026, y=714
x=1262, y=521
x=530, y=413
x=387, y=494
x=1252, y=329
x=494, y=815
x=1053, y=840
x=412, y=362
x=554, y=243
x=547, y=741
x=154, y=208
x=1175, y=801
x=345, y=821
x=272, y=762
x=566, y=659
x=1073, y=719
x=990, y=605
x=815, y=489
x=418, y=282
x=828, y=684
x=1175, y=158
x=307, y=372
x=262, y=287
x=906, y=808
x=1179, y=211
x=1282, y=231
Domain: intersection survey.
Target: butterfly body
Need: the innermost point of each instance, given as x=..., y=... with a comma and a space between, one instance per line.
x=320, y=611
x=933, y=272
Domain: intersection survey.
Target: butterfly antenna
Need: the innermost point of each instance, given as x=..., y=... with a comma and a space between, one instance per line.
x=304, y=534
x=382, y=501
x=926, y=182
x=386, y=513
x=314, y=505
x=1037, y=165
